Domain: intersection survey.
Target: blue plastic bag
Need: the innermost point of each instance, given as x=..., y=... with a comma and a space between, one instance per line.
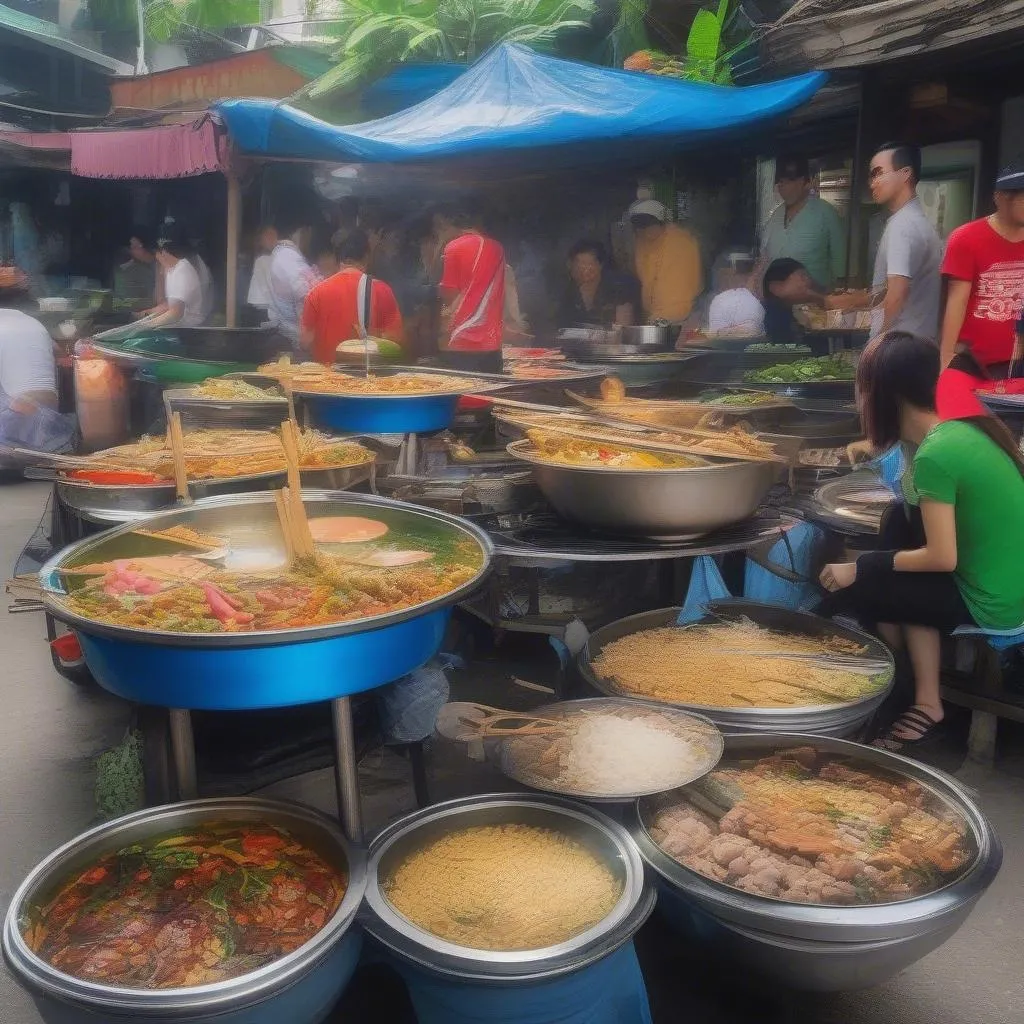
x=706, y=585
x=891, y=465
x=794, y=552
x=610, y=991
x=408, y=707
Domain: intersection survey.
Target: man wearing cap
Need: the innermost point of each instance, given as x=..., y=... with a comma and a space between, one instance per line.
x=804, y=227
x=984, y=271
x=667, y=263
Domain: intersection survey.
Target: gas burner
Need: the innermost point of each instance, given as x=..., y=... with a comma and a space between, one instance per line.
x=543, y=535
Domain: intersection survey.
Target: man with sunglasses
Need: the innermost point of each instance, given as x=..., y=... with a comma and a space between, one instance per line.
x=804, y=227
x=984, y=271
x=906, y=286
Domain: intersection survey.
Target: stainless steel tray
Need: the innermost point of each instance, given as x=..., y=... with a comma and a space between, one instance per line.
x=705, y=736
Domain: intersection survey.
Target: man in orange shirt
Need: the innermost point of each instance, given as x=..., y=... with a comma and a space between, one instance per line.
x=349, y=303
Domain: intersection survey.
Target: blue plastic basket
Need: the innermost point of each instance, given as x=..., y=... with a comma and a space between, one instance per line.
x=381, y=415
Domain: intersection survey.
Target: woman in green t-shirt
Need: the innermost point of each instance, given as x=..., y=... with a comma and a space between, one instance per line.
x=959, y=559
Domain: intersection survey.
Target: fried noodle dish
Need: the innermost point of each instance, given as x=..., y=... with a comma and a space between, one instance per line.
x=180, y=594
x=330, y=382
x=738, y=664
x=572, y=451
x=807, y=827
x=187, y=909
x=217, y=454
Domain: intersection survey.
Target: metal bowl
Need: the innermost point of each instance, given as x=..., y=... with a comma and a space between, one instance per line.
x=664, y=503
x=825, y=948
x=222, y=412
x=124, y=503
x=600, y=834
x=394, y=414
x=831, y=504
x=704, y=734
x=825, y=720
x=271, y=668
x=302, y=986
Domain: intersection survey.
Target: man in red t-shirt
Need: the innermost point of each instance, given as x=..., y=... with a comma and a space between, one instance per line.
x=335, y=309
x=473, y=291
x=984, y=272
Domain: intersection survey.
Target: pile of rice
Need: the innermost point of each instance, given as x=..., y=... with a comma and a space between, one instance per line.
x=504, y=887
x=614, y=753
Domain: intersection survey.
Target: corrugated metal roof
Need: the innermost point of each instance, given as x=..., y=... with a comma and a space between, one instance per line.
x=53, y=35
x=829, y=35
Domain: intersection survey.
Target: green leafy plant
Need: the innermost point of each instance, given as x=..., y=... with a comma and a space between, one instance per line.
x=373, y=35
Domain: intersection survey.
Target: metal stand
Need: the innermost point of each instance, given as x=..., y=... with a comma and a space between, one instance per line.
x=183, y=752
x=346, y=774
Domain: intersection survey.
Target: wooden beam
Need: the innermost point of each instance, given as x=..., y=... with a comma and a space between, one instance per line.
x=234, y=229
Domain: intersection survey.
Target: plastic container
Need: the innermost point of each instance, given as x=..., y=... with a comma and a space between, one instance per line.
x=101, y=403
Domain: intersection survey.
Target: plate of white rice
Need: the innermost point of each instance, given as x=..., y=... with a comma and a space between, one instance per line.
x=614, y=750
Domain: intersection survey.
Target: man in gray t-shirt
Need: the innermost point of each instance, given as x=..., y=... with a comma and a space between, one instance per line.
x=906, y=286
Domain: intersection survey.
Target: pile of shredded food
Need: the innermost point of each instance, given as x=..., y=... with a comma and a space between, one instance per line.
x=609, y=753
x=225, y=390
x=736, y=664
x=333, y=383
x=804, y=826
x=573, y=451
x=217, y=454
x=504, y=887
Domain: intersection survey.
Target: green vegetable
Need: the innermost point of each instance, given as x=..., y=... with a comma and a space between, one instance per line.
x=120, y=785
x=803, y=370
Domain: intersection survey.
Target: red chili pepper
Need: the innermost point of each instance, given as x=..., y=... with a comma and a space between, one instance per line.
x=95, y=876
x=114, y=476
x=603, y=453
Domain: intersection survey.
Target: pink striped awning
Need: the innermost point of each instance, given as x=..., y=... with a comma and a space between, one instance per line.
x=166, y=151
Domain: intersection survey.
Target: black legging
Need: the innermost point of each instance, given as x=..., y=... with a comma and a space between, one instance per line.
x=880, y=594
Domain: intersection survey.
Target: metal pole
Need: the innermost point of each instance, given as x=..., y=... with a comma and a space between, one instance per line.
x=183, y=752
x=346, y=774
x=234, y=229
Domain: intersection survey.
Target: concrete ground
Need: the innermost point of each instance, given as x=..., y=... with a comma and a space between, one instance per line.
x=50, y=733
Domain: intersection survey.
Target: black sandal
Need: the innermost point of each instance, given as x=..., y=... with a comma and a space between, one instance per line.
x=913, y=720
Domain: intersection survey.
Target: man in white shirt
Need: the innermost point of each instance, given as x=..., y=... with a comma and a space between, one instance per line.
x=735, y=309
x=291, y=278
x=259, y=283
x=184, y=303
x=28, y=379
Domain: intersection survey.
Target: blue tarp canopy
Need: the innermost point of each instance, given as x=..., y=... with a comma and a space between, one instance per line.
x=514, y=101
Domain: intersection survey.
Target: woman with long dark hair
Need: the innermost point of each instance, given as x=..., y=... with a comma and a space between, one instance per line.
x=958, y=555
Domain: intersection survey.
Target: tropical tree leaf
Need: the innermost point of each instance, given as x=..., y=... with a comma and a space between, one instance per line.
x=704, y=38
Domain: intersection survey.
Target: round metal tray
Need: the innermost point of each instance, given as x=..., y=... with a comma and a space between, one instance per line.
x=826, y=948
x=704, y=734
x=599, y=833
x=660, y=503
x=122, y=503
x=291, y=983
x=826, y=719
x=832, y=506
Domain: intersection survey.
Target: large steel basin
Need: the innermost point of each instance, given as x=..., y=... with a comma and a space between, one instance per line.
x=668, y=503
x=814, y=947
x=824, y=720
x=301, y=987
x=258, y=669
x=606, y=838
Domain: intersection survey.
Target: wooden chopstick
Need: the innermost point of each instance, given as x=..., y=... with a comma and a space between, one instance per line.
x=301, y=536
x=177, y=440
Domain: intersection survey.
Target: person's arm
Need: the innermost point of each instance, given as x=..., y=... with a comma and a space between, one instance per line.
x=958, y=297
x=939, y=553
x=897, y=291
x=173, y=311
